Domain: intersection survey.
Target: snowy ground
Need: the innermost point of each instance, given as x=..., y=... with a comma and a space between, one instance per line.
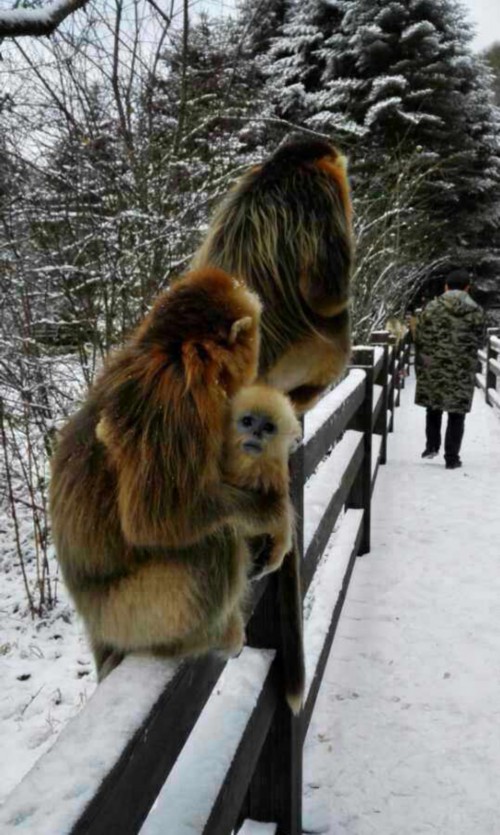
x=405, y=737
x=46, y=672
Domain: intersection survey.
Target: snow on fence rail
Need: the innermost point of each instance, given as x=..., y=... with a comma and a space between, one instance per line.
x=488, y=374
x=208, y=746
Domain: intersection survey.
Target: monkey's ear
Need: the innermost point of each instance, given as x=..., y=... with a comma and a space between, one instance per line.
x=239, y=326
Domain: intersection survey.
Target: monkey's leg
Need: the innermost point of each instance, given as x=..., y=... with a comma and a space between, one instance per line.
x=160, y=604
x=309, y=366
x=106, y=659
x=232, y=640
x=112, y=661
x=226, y=637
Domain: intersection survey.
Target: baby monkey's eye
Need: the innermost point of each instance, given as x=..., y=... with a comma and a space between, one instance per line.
x=247, y=421
x=269, y=428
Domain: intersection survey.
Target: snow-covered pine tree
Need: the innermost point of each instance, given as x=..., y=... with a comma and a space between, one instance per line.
x=404, y=72
x=259, y=22
x=492, y=56
x=295, y=63
x=392, y=242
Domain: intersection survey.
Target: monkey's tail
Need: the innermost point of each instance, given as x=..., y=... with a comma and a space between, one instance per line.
x=290, y=602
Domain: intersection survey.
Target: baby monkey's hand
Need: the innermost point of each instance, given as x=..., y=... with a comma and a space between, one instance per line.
x=281, y=542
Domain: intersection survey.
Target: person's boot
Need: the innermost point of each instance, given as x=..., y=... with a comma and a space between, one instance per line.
x=429, y=453
x=453, y=463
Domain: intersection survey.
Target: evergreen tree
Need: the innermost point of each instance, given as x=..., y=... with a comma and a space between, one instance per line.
x=404, y=72
x=260, y=22
x=492, y=56
x=295, y=63
x=396, y=82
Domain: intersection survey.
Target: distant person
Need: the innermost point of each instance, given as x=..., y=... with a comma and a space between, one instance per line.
x=449, y=332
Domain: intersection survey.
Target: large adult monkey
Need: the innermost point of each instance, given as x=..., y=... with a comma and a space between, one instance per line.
x=149, y=531
x=285, y=230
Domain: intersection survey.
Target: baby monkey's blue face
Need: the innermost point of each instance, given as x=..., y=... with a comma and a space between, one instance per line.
x=257, y=430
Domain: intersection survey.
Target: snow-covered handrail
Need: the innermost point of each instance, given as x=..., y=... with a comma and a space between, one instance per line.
x=196, y=747
x=488, y=374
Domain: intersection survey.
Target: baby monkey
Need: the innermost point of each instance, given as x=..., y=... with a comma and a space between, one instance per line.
x=262, y=433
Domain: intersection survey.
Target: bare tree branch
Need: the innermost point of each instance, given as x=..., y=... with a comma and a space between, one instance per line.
x=167, y=18
x=16, y=23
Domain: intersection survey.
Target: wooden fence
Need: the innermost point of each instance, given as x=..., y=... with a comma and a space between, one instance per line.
x=487, y=377
x=200, y=747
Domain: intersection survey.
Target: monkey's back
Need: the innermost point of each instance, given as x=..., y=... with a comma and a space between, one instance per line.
x=90, y=546
x=285, y=229
x=85, y=524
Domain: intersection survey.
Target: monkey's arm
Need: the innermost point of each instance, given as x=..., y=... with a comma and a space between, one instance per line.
x=280, y=532
x=252, y=511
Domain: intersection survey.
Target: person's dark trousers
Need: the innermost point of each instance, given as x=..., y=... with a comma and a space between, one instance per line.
x=453, y=437
x=454, y=433
x=433, y=429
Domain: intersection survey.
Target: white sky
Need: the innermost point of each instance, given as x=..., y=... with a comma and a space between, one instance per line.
x=485, y=14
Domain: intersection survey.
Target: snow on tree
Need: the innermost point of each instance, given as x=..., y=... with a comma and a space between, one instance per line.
x=404, y=73
x=492, y=57
x=294, y=65
x=202, y=100
x=259, y=23
x=22, y=21
x=398, y=85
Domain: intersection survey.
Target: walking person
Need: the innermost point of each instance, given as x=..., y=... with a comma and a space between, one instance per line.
x=449, y=332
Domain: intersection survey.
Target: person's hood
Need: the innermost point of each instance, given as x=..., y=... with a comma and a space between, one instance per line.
x=458, y=302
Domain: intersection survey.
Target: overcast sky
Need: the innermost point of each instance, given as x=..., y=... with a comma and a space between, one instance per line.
x=486, y=16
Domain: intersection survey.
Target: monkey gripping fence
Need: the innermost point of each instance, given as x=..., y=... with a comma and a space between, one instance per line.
x=488, y=375
x=199, y=747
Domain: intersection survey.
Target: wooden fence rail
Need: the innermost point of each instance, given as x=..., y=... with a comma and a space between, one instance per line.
x=172, y=749
x=487, y=377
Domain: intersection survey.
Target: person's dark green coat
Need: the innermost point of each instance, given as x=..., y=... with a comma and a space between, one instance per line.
x=450, y=330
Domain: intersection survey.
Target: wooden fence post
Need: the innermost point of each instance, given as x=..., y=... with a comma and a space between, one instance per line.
x=381, y=338
x=402, y=362
x=417, y=313
x=392, y=378
x=275, y=791
x=398, y=349
x=408, y=343
x=491, y=379
x=361, y=491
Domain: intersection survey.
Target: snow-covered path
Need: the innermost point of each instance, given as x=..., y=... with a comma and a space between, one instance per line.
x=406, y=733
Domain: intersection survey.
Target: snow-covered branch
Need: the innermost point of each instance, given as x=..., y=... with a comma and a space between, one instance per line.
x=19, y=22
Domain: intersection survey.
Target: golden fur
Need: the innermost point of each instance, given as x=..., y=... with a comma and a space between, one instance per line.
x=285, y=230
x=268, y=471
x=271, y=469
x=149, y=535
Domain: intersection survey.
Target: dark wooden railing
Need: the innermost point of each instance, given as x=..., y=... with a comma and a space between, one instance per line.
x=199, y=747
x=488, y=375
